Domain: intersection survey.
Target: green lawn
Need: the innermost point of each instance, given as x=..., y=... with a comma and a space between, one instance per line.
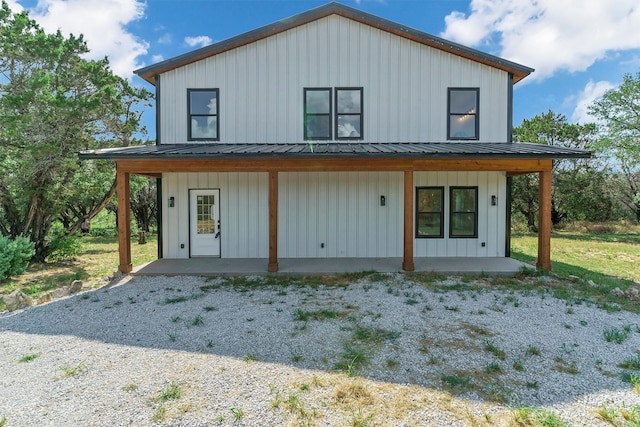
x=586, y=255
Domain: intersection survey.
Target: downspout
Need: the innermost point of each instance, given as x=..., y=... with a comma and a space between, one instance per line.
x=159, y=197
x=507, y=249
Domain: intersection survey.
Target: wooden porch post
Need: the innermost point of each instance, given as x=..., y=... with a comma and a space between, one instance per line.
x=407, y=261
x=544, y=221
x=273, y=222
x=124, y=220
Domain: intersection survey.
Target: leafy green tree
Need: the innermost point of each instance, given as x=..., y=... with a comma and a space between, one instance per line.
x=578, y=184
x=619, y=113
x=53, y=103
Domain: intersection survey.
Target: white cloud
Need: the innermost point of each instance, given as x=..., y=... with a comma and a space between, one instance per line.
x=103, y=24
x=549, y=35
x=165, y=39
x=585, y=98
x=198, y=41
x=15, y=6
x=157, y=58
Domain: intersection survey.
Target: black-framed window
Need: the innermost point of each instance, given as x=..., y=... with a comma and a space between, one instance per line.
x=463, y=118
x=429, y=212
x=349, y=115
x=463, y=212
x=317, y=113
x=203, y=106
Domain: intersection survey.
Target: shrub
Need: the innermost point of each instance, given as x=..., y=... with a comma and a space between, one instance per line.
x=61, y=246
x=14, y=256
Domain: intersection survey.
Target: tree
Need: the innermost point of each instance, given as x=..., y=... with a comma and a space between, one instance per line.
x=143, y=201
x=53, y=103
x=619, y=113
x=577, y=183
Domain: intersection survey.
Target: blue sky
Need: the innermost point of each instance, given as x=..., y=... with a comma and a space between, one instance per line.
x=579, y=48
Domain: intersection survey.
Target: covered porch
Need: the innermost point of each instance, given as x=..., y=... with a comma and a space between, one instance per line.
x=274, y=159
x=313, y=266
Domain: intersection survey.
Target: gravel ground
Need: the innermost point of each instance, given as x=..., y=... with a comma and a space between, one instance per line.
x=187, y=351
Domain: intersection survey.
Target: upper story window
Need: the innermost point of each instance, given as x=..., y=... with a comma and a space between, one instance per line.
x=463, y=212
x=203, y=114
x=317, y=113
x=463, y=113
x=429, y=211
x=349, y=113
x=323, y=120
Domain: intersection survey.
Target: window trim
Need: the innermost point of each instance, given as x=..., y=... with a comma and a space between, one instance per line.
x=417, y=212
x=452, y=212
x=476, y=137
x=361, y=114
x=190, y=115
x=305, y=114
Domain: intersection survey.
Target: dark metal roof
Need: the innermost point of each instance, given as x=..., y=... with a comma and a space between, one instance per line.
x=519, y=71
x=425, y=150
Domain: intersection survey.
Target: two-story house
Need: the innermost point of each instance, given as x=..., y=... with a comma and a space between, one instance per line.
x=334, y=133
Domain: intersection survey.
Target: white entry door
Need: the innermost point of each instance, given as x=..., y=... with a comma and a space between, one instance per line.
x=204, y=214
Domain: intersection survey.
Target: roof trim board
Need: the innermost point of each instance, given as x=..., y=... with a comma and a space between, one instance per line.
x=519, y=71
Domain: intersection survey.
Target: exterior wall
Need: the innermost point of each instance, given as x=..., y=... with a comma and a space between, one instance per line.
x=491, y=219
x=341, y=210
x=244, y=212
x=405, y=85
x=338, y=209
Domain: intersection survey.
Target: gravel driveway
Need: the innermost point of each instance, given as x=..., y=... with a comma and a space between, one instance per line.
x=382, y=350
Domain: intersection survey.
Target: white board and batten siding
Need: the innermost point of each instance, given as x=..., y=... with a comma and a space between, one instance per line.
x=338, y=214
x=244, y=212
x=329, y=214
x=491, y=219
x=405, y=85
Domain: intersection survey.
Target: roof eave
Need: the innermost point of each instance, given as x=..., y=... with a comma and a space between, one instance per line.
x=148, y=73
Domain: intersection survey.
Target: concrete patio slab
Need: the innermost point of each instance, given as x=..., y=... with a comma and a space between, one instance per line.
x=250, y=266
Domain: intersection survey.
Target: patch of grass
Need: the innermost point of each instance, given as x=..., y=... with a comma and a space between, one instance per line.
x=615, y=335
x=173, y=391
x=458, y=381
x=607, y=414
x=392, y=364
x=352, y=359
x=130, y=387
x=29, y=358
x=533, y=351
x=250, y=358
x=182, y=298
x=198, y=321
x=477, y=330
x=495, y=350
x=564, y=366
x=372, y=335
x=3, y=421
x=159, y=414
x=301, y=315
x=631, y=363
x=72, y=371
x=493, y=368
x=210, y=308
x=534, y=417
x=517, y=365
x=635, y=382
x=237, y=413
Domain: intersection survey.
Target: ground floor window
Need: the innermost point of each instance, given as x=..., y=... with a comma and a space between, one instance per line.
x=430, y=212
x=463, y=212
